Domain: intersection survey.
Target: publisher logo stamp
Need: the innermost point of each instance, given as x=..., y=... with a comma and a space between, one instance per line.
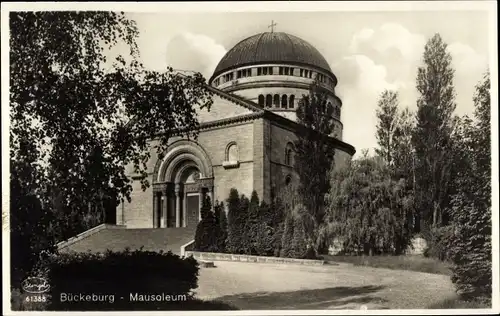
x=35, y=285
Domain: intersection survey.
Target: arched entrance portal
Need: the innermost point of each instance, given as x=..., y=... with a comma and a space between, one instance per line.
x=183, y=179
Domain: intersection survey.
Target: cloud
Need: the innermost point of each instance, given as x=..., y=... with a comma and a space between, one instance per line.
x=469, y=69
x=388, y=58
x=196, y=52
x=361, y=81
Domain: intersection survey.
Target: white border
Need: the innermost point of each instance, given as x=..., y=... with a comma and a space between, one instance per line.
x=255, y=6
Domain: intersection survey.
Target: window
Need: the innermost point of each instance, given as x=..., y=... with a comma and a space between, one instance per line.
x=232, y=152
x=269, y=100
x=231, y=158
x=291, y=71
x=302, y=72
x=238, y=74
x=288, y=180
x=259, y=71
x=291, y=101
x=270, y=70
x=264, y=71
x=284, y=101
x=289, y=153
x=276, y=100
x=261, y=100
x=310, y=74
x=281, y=71
x=287, y=71
x=306, y=73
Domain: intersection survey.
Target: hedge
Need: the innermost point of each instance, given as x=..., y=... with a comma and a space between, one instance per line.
x=121, y=274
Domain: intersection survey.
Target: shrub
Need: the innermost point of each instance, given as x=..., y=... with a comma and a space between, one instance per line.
x=252, y=226
x=221, y=218
x=287, y=237
x=471, y=253
x=208, y=234
x=439, y=241
x=120, y=274
x=30, y=232
x=237, y=220
x=299, y=243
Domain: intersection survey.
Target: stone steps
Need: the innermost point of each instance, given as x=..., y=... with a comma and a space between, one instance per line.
x=117, y=239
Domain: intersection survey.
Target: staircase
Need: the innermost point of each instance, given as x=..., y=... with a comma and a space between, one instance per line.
x=117, y=238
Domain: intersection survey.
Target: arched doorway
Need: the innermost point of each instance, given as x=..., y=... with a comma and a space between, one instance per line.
x=183, y=179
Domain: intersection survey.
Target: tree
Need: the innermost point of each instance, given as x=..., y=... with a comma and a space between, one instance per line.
x=368, y=212
x=432, y=134
x=314, y=154
x=252, y=225
x=287, y=236
x=208, y=231
x=238, y=206
x=79, y=118
x=221, y=217
x=471, y=251
x=403, y=158
x=387, y=115
x=265, y=230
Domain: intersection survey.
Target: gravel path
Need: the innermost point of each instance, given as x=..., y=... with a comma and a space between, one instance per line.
x=342, y=286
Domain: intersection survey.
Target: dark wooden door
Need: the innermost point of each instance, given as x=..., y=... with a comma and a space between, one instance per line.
x=192, y=209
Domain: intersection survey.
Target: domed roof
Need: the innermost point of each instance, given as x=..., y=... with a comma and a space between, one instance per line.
x=271, y=47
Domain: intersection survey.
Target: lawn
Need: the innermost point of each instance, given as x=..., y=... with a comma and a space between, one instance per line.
x=411, y=263
x=455, y=303
x=332, y=286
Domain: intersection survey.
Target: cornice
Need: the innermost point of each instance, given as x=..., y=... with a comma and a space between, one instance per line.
x=297, y=127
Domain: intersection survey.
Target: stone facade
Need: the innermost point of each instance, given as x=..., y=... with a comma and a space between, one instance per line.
x=242, y=143
x=250, y=154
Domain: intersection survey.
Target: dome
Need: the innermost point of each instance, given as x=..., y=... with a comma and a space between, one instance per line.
x=271, y=47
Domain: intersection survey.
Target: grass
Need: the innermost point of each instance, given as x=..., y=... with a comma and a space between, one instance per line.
x=457, y=303
x=410, y=263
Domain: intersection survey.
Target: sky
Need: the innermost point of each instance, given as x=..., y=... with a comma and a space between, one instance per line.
x=371, y=50
x=367, y=51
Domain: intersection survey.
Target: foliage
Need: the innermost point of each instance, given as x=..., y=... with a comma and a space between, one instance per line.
x=79, y=115
x=367, y=210
x=314, y=154
x=287, y=237
x=387, y=115
x=221, y=218
x=252, y=224
x=432, y=134
x=209, y=233
x=471, y=251
x=236, y=219
x=263, y=244
x=32, y=233
x=277, y=210
x=121, y=274
x=300, y=243
x=439, y=240
x=403, y=157
x=257, y=223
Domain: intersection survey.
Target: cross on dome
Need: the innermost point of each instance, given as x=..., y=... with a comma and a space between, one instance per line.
x=272, y=26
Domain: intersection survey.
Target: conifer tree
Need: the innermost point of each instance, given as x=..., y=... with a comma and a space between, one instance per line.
x=234, y=233
x=387, y=115
x=314, y=154
x=432, y=135
x=252, y=224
